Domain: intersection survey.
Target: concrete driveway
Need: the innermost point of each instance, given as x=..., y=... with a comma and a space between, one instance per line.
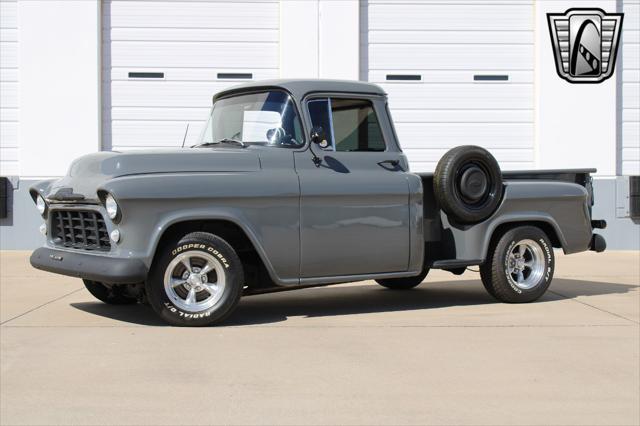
x=445, y=353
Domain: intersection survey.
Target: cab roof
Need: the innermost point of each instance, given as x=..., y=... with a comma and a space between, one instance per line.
x=301, y=87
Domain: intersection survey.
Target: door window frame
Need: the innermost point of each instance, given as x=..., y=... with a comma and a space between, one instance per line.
x=328, y=97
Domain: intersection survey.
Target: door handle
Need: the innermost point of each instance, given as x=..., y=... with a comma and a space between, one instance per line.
x=393, y=163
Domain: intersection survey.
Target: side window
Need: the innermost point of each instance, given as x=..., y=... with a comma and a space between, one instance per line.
x=319, y=114
x=355, y=126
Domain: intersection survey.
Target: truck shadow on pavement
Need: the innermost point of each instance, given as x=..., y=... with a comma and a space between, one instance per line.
x=356, y=299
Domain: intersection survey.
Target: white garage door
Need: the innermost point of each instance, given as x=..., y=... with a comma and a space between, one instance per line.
x=164, y=60
x=456, y=73
x=9, y=88
x=631, y=88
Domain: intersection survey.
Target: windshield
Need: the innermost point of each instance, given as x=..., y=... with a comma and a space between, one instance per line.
x=267, y=118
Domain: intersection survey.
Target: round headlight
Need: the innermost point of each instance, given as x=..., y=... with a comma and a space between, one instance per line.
x=111, y=206
x=41, y=205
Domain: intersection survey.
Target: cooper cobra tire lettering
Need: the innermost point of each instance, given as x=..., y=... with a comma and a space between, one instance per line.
x=163, y=300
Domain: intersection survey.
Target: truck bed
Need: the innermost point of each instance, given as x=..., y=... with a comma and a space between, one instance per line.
x=445, y=242
x=565, y=175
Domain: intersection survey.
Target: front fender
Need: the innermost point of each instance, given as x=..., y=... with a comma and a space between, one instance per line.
x=208, y=214
x=264, y=205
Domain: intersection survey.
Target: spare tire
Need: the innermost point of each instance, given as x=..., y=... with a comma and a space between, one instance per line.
x=468, y=184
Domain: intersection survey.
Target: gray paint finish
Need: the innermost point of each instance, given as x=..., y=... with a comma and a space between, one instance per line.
x=351, y=218
x=20, y=230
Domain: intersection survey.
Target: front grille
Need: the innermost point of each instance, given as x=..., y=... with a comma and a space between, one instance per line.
x=79, y=229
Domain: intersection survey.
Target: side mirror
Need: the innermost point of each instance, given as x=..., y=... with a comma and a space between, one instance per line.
x=319, y=137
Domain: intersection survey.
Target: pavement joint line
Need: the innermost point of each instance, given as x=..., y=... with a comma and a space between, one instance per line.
x=40, y=306
x=594, y=307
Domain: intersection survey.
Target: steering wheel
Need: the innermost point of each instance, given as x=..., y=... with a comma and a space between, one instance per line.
x=276, y=135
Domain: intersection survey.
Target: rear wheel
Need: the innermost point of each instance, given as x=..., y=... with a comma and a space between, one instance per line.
x=111, y=294
x=520, y=265
x=405, y=283
x=196, y=281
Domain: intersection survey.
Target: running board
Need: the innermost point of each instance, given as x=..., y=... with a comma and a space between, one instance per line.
x=455, y=263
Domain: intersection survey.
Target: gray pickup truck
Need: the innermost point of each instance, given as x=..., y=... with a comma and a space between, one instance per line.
x=299, y=183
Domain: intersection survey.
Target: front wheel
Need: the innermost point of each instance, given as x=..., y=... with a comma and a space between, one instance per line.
x=520, y=265
x=406, y=283
x=196, y=281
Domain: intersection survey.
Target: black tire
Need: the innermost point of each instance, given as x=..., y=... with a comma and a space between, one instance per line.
x=406, y=283
x=503, y=284
x=200, y=248
x=468, y=184
x=111, y=294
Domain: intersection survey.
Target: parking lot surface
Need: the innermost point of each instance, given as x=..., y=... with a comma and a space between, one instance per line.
x=444, y=353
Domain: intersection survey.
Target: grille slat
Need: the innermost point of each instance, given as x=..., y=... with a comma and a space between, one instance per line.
x=80, y=229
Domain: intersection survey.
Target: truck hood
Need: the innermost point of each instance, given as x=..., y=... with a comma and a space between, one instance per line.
x=89, y=172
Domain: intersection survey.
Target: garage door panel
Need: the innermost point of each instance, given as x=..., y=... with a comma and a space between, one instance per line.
x=8, y=134
x=631, y=56
x=9, y=154
x=631, y=162
x=449, y=45
x=189, y=34
x=8, y=14
x=164, y=94
x=8, y=75
x=9, y=88
x=450, y=57
x=9, y=92
x=509, y=159
x=176, y=14
x=462, y=116
x=631, y=134
x=189, y=74
x=451, y=37
x=187, y=44
x=444, y=136
x=631, y=114
x=155, y=114
x=8, y=34
x=466, y=76
x=631, y=76
x=9, y=57
x=190, y=54
x=630, y=147
x=9, y=114
x=502, y=154
x=631, y=15
x=449, y=17
x=631, y=96
x=629, y=36
x=149, y=134
x=460, y=96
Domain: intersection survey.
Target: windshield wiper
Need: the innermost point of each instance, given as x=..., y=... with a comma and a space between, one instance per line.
x=221, y=141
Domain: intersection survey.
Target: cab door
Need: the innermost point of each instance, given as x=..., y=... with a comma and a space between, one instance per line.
x=355, y=203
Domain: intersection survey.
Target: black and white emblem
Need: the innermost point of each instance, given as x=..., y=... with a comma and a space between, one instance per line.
x=585, y=42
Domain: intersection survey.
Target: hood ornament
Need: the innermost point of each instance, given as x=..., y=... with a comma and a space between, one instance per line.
x=66, y=194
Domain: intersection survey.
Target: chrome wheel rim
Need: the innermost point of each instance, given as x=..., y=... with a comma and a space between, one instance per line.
x=194, y=281
x=525, y=264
